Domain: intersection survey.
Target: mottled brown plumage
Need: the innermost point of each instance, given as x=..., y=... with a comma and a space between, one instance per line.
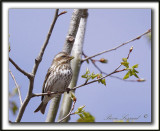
x=57, y=79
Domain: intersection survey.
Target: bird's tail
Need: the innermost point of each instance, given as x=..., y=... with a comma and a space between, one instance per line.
x=41, y=108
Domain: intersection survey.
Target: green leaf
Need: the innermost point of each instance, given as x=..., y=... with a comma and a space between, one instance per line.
x=136, y=75
x=9, y=47
x=94, y=75
x=103, y=81
x=88, y=77
x=81, y=116
x=124, y=59
x=84, y=76
x=99, y=75
x=130, y=72
x=13, y=107
x=87, y=117
x=135, y=71
x=80, y=110
x=127, y=75
x=73, y=97
x=87, y=71
x=15, y=91
x=135, y=66
x=149, y=35
x=126, y=64
x=87, y=61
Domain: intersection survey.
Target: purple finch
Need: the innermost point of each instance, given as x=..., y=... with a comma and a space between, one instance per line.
x=57, y=79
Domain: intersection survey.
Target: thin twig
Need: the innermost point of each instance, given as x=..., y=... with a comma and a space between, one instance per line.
x=35, y=67
x=102, y=72
x=130, y=50
x=75, y=37
x=86, y=82
x=17, y=86
x=138, y=37
x=39, y=58
x=97, y=79
x=62, y=13
x=69, y=112
x=74, y=88
x=18, y=68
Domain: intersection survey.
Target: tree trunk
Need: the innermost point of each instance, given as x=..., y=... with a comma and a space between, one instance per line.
x=74, y=24
x=75, y=64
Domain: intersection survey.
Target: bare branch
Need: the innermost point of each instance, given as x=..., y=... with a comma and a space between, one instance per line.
x=62, y=13
x=70, y=113
x=98, y=79
x=75, y=64
x=39, y=58
x=69, y=42
x=76, y=16
x=86, y=82
x=18, y=68
x=130, y=50
x=138, y=37
x=74, y=88
x=102, y=72
x=17, y=86
x=37, y=62
x=43, y=94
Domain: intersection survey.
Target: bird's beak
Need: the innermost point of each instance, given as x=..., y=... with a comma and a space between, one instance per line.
x=71, y=57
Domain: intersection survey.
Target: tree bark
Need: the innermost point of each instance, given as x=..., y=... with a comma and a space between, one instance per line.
x=75, y=64
x=74, y=24
x=31, y=76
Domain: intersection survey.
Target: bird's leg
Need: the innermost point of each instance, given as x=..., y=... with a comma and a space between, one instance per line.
x=68, y=89
x=49, y=93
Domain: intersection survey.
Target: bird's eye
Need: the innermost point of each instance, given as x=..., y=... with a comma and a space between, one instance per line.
x=63, y=56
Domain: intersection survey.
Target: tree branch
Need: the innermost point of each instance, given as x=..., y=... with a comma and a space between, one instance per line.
x=17, y=86
x=74, y=102
x=53, y=109
x=75, y=64
x=35, y=67
x=73, y=28
x=138, y=37
x=86, y=82
x=39, y=58
x=102, y=72
x=74, y=88
x=18, y=68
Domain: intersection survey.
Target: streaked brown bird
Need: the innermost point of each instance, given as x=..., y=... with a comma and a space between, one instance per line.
x=57, y=79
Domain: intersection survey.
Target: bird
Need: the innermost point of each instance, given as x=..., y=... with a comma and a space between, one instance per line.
x=57, y=79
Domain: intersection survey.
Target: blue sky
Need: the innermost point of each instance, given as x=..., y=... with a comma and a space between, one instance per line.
x=106, y=29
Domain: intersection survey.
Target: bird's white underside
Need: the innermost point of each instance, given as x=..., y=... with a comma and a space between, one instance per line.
x=57, y=81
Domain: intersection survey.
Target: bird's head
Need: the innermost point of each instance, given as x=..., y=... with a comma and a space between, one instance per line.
x=63, y=58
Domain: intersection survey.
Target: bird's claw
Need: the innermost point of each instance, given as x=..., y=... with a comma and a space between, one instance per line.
x=49, y=93
x=68, y=89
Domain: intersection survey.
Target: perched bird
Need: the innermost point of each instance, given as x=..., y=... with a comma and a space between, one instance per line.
x=57, y=79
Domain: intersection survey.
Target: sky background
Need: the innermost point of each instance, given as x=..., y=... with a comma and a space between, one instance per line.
x=106, y=29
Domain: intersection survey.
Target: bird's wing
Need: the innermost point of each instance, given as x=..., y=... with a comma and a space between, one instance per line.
x=47, y=75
